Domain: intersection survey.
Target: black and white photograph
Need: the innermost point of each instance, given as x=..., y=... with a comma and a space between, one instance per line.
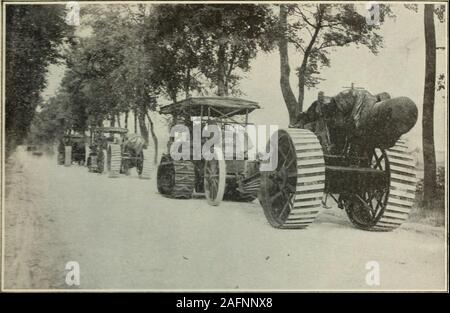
x=224, y=146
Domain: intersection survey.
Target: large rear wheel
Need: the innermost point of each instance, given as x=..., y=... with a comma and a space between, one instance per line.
x=291, y=194
x=385, y=207
x=114, y=160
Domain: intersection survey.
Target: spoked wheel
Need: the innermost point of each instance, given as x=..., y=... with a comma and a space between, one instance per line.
x=176, y=179
x=291, y=194
x=385, y=206
x=114, y=160
x=214, y=178
x=365, y=208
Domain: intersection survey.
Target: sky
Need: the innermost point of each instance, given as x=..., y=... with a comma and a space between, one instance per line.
x=399, y=69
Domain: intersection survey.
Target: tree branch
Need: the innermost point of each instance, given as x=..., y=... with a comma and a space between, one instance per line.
x=306, y=19
x=231, y=64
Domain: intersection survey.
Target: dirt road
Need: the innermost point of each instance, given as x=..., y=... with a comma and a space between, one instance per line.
x=124, y=235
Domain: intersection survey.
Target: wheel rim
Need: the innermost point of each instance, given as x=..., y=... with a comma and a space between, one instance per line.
x=214, y=178
x=278, y=189
x=366, y=207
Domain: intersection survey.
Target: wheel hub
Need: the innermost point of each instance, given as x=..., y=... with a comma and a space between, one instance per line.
x=280, y=176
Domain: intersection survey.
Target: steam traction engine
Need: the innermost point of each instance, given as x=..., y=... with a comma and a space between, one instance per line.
x=72, y=148
x=122, y=152
x=217, y=178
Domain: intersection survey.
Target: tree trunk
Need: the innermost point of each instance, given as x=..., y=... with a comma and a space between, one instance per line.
x=302, y=69
x=301, y=86
x=429, y=156
x=155, y=139
x=126, y=119
x=229, y=70
x=142, y=127
x=285, y=70
x=118, y=120
x=173, y=96
x=187, y=83
x=112, y=120
x=135, y=120
x=221, y=71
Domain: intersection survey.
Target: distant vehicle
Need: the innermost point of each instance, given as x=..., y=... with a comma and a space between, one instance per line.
x=119, y=152
x=72, y=148
x=32, y=148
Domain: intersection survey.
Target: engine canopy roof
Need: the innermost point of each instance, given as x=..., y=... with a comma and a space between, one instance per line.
x=213, y=106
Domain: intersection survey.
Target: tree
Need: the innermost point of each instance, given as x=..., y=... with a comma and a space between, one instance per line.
x=315, y=30
x=173, y=51
x=34, y=37
x=111, y=70
x=213, y=40
x=429, y=154
x=285, y=70
x=231, y=36
x=51, y=121
x=73, y=101
x=430, y=87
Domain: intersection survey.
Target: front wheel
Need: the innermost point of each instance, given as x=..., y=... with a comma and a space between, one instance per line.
x=101, y=162
x=96, y=162
x=214, y=178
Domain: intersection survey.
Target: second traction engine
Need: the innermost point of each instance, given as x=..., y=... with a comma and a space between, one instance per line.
x=348, y=148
